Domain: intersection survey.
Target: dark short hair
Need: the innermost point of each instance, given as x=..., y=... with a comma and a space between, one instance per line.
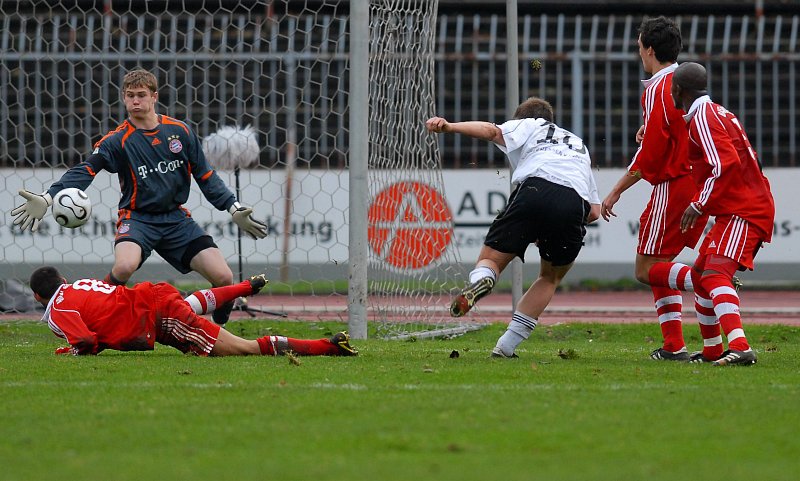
x=664, y=36
x=535, y=108
x=45, y=281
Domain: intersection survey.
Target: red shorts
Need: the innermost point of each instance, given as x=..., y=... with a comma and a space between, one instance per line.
x=178, y=326
x=734, y=238
x=660, y=224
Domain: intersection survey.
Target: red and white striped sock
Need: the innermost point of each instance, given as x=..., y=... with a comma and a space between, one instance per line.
x=709, y=325
x=207, y=300
x=726, y=308
x=669, y=304
x=671, y=274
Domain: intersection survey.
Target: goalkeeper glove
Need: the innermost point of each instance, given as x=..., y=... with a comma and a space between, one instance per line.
x=243, y=218
x=31, y=212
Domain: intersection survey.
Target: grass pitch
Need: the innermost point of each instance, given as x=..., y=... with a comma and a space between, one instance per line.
x=583, y=402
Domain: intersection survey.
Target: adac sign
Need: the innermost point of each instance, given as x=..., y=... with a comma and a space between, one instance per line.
x=410, y=225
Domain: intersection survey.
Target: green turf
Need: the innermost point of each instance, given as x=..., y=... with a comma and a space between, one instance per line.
x=401, y=410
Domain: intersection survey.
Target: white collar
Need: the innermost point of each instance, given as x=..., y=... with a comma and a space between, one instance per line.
x=47, y=309
x=704, y=99
x=664, y=71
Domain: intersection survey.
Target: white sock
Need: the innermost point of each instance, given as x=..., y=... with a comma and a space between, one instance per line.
x=518, y=330
x=480, y=272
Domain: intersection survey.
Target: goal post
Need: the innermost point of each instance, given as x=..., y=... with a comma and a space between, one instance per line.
x=357, y=292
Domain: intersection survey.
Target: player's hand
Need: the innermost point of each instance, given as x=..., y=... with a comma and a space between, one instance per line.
x=242, y=216
x=594, y=213
x=32, y=211
x=640, y=135
x=689, y=218
x=64, y=350
x=437, y=124
x=607, y=207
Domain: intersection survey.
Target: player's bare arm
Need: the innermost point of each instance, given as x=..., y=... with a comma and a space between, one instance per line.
x=690, y=216
x=623, y=184
x=594, y=213
x=477, y=129
x=640, y=135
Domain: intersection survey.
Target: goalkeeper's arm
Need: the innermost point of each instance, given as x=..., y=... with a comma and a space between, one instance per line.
x=30, y=213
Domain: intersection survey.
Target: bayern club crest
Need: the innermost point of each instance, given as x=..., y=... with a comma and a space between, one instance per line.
x=175, y=145
x=124, y=228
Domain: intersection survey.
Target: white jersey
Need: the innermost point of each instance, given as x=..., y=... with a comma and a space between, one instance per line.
x=538, y=148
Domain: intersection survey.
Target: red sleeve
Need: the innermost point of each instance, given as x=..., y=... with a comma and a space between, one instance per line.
x=67, y=324
x=707, y=131
x=649, y=159
x=663, y=154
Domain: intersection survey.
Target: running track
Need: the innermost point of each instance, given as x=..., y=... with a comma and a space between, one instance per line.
x=758, y=307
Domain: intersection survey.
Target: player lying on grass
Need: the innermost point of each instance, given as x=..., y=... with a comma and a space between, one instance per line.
x=93, y=316
x=732, y=188
x=554, y=197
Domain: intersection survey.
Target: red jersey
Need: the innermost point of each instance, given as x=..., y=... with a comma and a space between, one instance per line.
x=725, y=168
x=92, y=316
x=663, y=153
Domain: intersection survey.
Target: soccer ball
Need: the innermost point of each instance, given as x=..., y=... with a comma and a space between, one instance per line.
x=71, y=207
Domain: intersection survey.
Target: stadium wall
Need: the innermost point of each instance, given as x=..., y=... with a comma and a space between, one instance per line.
x=318, y=239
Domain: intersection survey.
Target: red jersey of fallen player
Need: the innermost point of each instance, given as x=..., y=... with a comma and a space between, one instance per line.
x=662, y=155
x=92, y=316
x=725, y=168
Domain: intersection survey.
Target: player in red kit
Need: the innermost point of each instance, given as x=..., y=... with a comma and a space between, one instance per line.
x=94, y=316
x=732, y=188
x=662, y=160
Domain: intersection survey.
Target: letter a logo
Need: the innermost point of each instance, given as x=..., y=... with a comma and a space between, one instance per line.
x=410, y=225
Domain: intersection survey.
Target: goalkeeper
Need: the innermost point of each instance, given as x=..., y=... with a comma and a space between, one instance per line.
x=554, y=197
x=155, y=158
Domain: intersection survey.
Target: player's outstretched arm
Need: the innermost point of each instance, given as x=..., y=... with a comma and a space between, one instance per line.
x=32, y=211
x=480, y=130
x=242, y=217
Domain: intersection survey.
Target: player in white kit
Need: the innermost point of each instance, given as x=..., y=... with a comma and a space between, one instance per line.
x=554, y=197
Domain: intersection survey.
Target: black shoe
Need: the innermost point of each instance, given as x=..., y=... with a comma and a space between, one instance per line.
x=662, y=354
x=342, y=341
x=470, y=295
x=732, y=357
x=258, y=282
x=222, y=313
x=697, y=357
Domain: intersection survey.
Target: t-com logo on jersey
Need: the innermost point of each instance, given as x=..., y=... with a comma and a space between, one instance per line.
x=162, y=167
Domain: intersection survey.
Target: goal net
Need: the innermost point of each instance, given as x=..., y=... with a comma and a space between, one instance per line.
x=280, y=67
x=413, y=263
